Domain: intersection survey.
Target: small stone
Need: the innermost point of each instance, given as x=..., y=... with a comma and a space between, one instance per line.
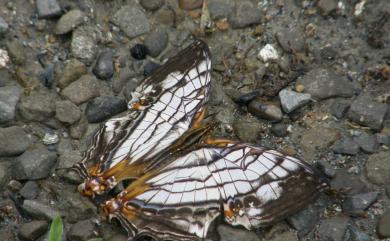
x=317, y=138
x=83, y=44
x=383, y=229
x=67, y=112
x=39, y=210
x=38, y=106
x=33, y=229
x=69, y=21
x=47, y=76
x=139, y=51
x=356, y=204
x=13, y=141
x=104, y=107
x=382, y=139
x=50, y=138
x=104, y=67
x=246, y=130
x=78, y=129
x=245, y=14
x=3, y=27
x=378, y=168
x=166, y=16
x=327, y=7
x=81, y=231
x=291, y=39
x=156, y=41
x=229, y=233
x=131, y=20
x=7, y=233
x=220, y=9
x=30, y=190
x=291, y=100
x=346, y=146
x=367, y=142
x=151, y=5
x=287, y=235
x=268, y=52
x=322, y=84
x=305, y=220
x=82, y=90
x=326, y=168
x=264, y=110
x=190, y=4
x=333, y=229
x=69, y=158
x=78, y=207
x=73, y=70
x=4, y=61
x=4, y=174
x=279, y=130
x=48, y=8
x=16, y=52
x=358, y=235
x=118, y=237
x=9, y=97
x=343, y=180
x=150, y=67
x=367, y=112
x=339, y=108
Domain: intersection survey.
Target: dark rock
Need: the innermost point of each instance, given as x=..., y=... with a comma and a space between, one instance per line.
x=104, y=67
x=247, y=131
x=357, y=203
x=382, y=139
x=78, y=129
x=38, y=106
x=346, y=146
x=30, y=190
x=291, y=100
x=67, y=112
x=190, y=4
x=367, y=142
x=326, y=168
x=83, y=44
x=287, y=235
x=4, y=174
x=345, y=181
x=149, y=68
x=156, y=41
x=333, y=229
x=265, y=110
x=139, y=51
x=82, y=90
x=358, y=235
x=131, y=20
x=3, y=26
x=48, y=8
x=305, y=220
x=118, y=237
x=229, y=233
x=245, y=99
x=13, y=141
x=104, y=107
x=73, y=70
x=7, y=233
x=378, y=168
x=339, y=108
x=9, y=96
x=151, y=5
x=245, y=14
x=35, y=163
x=291, y=39
x=383, y=229
x=32, y=230
x=279, y=130
x=367, y=112
x=69, y=158
x=323, y=83
x=47, y=76
x=220, y=9
x=81, y=231
x=78, y=207
x=39, y=210
x=328, y=53
x=16, y=52
x=327, y=7
x=69, y=21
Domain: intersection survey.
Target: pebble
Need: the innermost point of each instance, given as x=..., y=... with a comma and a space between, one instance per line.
x=67, y=112
x=35, y=163
x=367, y=142
x=30, y=190
x=150, y=67
x=287, y=235
x=378, y=168
x=327, y=7
x=69, y=158
x=3, y=27
x=229, y=233
x=72, y=71
x=305, y=220
x=48, y=8
x=383, y=229
x=333, y=228
x=40, y=210
x=47, y=76
x=221, y=9
x=323, y=83
x=118, y=83
x=4, y=174
x=356, y=204
x=32, y=230
x=9, y=97
x=264, y=110
x=244, y=99
x=245, y=14
x=13, y=141
x=190, y=4
x=347, y=181
x=78, y=129
x=139, y=51
x=151, y=5
x=82, y=90
x=81, y=231
x=279, y=130
x=367, y=112
x=4, y=61
x=78, y=207
x=38, y=106
x=291, y=39
x=326, y=168
x=104, y=107
x=382, y=139
x=50, y=138
x=104, y=67
x=291, y=100
x=339, y=108
x=268, y=52
x=346, y=146
x=131, y=20
x=156, y=41
x=69, y=21
x=246, y=130
x=358, y=235
x=83, y=44
x=16, y=52
x=7, y=233
x=317, y=138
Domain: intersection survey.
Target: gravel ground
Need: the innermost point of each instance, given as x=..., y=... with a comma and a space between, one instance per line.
x=310, y=78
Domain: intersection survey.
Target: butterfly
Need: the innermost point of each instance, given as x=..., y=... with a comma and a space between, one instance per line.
x=179, y=179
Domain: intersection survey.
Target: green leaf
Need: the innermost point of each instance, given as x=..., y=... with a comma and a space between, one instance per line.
x=56, y=229
x=96, y=239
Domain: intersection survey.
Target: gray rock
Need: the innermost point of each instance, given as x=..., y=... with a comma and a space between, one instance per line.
x=287, y=235
x=378, y=168
x=67, y=112
x=367, y=142
x=229, y=233
x=13, y=141
x=279, y=130
x=291, y=100
x=78, y=129
x=156, y=41
x=69, y=21
x=82, y=90
x=73, y=70
x=382, y=139
x=305, y=220
x=39, y=210
x=69, y=158
x=30, y=190
x=151, y=5
x=323, y=83
x=317, y=138
x=291, y=39
x=32, y=230
x=35, y=163
x=48, y=8
x=247, y=131
x=83, y=44
x=3, y=26
x=104, y=67
x=333, y=229
x=220, y=9
x=346, y=146
x=339, y=108
x=346, y=181
x=16, y=52
x=131, y=20
x=358, y=235
x=81, y=231
x=129, y=87
x=7, y=233
x=4, y=174
x=356, y=204
x=104, y=107
x=78, y=207
x=367, y=112
x=383, y=229
x=38, y=106
x=326, y=168
x=265, y=110
x=327, y=7
x=9, y=96
x=245, y=14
